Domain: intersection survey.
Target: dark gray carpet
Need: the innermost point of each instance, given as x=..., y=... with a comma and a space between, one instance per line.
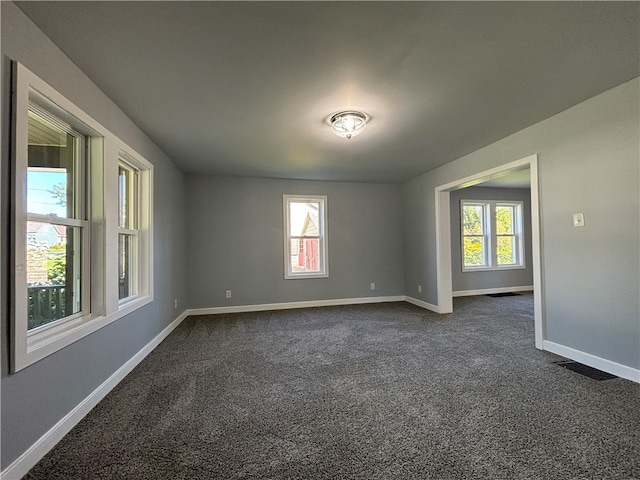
x=387, y=391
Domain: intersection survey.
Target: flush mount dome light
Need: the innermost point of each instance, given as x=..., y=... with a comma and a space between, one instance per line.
x=349, y=123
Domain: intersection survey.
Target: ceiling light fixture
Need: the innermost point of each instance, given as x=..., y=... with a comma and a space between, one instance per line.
x=349, y=123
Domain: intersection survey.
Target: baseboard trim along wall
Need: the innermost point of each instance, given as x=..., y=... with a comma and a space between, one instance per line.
x=41, y=447
x=422, y=304
x=289, y=305
x=603, y=364
x=488, y=291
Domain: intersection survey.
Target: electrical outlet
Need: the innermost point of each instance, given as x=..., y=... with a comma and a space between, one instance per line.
x=578, y=220
x=419, y=288
x=228, y=294
x=373, y=286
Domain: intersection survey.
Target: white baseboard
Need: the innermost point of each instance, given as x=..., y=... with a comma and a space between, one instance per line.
x=41, y=447
x=289, y=305
x=422, y=304
x=603, y=364
x=309, y=304
x=488, y=291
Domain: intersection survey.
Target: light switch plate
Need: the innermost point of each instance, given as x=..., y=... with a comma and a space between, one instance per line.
x=578, y=220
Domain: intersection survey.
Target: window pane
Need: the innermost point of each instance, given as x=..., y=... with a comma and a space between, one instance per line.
x=125, y=246
x=126, y=198
x=504, y=220
x=305, y=255
x=506, y=250
x=52, y=173
x=123, y=197
x=53, y=272
x=473, y=220
x=474, y=252
x=303, y=219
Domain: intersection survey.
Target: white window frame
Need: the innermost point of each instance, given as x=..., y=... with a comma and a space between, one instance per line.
x=517, y=235
x=78, y=220
x=490, y=235
x=104, y=151
x=323, y=272
x=132, y=230
x=485, y=236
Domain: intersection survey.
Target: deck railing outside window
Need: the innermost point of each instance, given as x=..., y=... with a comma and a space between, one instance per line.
x=46, y=304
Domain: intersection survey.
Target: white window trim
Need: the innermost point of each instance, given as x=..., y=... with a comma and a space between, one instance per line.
x=105, y=150
x=490, y=235
x=322, y=219
x=486, y=236
x=77, y=221
x=518, y=234
x=143, y=171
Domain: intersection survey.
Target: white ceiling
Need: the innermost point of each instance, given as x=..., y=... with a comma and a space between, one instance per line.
x=245, y=88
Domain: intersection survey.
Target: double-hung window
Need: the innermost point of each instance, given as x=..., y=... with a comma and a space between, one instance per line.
x=474, y=235
x=492, y=235
x=81, y=218
x=128, y=214
x=57, y=227
x=508, y=234
x=305, y=239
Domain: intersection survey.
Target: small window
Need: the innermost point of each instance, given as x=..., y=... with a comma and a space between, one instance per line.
x=128, y=215
x=506, y=238
x=474, y=235
x=305, y=245
x=492, y=235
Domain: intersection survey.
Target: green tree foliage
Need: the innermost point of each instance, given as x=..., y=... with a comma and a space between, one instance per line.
x=504, y=230
x=472, y=220
x=473, y=252
x=504, y=220
x=56, y=270
x=473, y=224
x=59, y=192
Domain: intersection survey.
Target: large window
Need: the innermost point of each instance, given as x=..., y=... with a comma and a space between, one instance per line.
x=492, y=235
x=56, y=228
x=305, y=245
x=82, y=223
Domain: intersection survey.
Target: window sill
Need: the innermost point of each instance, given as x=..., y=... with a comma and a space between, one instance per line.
x=298, y=276
x=39, y=345
x=493, y=269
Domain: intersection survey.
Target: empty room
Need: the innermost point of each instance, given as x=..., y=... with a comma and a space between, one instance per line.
x=320, y=240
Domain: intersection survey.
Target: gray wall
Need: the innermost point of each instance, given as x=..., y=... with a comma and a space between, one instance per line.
x=588, y=162
x=35, y=398
x=462, y=281
x=235, y=241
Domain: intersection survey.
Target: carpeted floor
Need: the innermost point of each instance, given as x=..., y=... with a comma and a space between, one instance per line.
x=386, y=391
